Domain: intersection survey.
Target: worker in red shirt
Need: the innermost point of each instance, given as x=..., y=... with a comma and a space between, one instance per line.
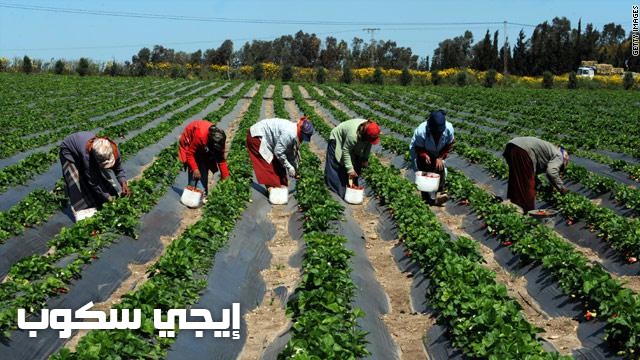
x=202, y=149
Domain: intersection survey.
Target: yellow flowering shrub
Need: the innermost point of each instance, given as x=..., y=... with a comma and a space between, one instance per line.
x=447, y=73
x=421, y=77
x=303, y=74
x=271, y=71
x=4, y=63
x=246, y=70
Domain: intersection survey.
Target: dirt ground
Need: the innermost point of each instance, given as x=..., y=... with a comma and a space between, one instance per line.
x=268, y=320
x=304, y=92
x=560, y=331
x=286, y=92
x=138, y=274
x=407, y=327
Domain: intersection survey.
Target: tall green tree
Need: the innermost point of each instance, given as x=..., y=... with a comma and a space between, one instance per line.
x=58, y=68
x=83, y=66
x=27, y=65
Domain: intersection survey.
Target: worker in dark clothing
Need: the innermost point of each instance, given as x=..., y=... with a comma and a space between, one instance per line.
x=430, y=145
x=201, y=149
x=87, y=161
x=528, y=157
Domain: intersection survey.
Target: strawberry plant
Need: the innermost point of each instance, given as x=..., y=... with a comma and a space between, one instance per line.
x=177, y=277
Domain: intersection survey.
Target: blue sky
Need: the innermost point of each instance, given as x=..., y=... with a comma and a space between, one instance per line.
x=48, y=35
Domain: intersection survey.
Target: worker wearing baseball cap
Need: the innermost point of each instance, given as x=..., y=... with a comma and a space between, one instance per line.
x=430, y=145
x=348, y=152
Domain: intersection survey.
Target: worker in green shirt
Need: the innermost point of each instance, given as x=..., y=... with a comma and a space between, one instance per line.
x=348, y=152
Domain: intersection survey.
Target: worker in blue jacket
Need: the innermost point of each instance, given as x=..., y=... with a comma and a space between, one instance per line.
x=430, y=145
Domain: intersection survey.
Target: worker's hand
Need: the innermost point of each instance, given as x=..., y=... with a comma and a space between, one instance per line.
x=425, y=157
x=365, y=164
x=224, y=170
x=196, y=174
x=564, y=190
x=125, y=189
x=111, y=198
x=439, y=164
x=352, y=174
x=292, y=172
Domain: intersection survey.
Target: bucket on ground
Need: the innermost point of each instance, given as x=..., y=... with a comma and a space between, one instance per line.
x=354, y=194
x=83, y=214
x=191, y=197
x=546, y=216
x=427, y=181
x=279, y=195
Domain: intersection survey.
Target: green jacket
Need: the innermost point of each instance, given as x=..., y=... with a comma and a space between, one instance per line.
x=347, y=144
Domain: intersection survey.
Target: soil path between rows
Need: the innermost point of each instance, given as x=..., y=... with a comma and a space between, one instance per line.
x=139, y=272
x=406, y=326
x=268, y=320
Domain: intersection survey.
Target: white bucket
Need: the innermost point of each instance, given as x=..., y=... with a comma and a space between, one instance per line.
x=427, y=181
x=279, y=195
x=191, y=197
x=83, y=214
x=354, y=195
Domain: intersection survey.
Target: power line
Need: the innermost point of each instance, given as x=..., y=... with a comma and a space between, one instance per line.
x=194, y=42
x=232, y=20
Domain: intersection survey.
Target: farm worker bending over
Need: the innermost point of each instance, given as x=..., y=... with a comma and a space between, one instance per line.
x=348, y=152
x=527, y=157
x=273, y=148
x=202, y=149
x=430, y=145
x=88, y=162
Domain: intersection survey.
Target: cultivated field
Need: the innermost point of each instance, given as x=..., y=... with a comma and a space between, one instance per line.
x=318, y=278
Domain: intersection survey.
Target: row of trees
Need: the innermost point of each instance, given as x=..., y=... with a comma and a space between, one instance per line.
x=301, y=50
x=554, y=47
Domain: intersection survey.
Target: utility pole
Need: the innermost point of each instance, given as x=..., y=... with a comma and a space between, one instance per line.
x=504, y=49
x=371, y=31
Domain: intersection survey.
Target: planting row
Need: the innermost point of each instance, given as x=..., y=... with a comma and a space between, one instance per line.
x=29, y=211
x=37, y=100
x=178, y=276
x=622, y=233
x=589, y=283
x=15, y=144
x=324, y=322
x=460, y=288
x=34, y=164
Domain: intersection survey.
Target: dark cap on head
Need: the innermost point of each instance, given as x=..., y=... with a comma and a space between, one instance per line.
x=437, y=122
x=216, y=139
x=306, y=130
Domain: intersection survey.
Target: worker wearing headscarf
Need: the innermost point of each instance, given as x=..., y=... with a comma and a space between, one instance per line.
x=430, y=145
x=87, y=164
x=527, y=157
x=348, y=152
x=273, y=146
x=201, y=149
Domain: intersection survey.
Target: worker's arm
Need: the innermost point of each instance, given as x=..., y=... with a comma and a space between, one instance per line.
x=119, y=171
x=92, y=176
x=283, y=145
x=191, y=154
x=553, y=174
x=445, y=151
x=416, y=148
x=346, y=155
